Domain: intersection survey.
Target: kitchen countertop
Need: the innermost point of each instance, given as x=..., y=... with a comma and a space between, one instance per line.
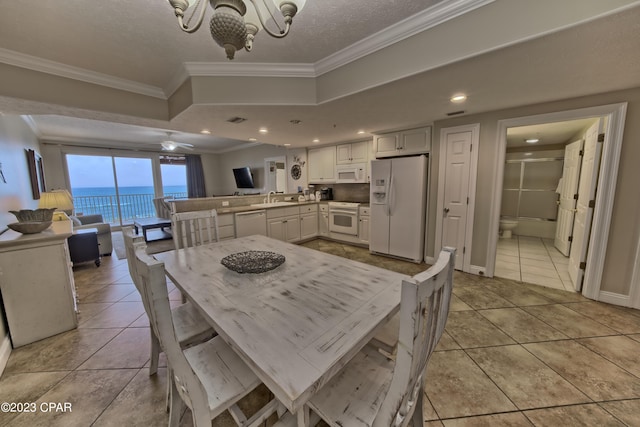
x=249, y=208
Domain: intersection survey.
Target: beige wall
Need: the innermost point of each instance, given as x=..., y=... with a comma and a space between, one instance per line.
x=15, y=194
x=252, y=157
x=625, y=227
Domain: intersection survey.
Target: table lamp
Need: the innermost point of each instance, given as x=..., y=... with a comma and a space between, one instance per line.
x=59, y=199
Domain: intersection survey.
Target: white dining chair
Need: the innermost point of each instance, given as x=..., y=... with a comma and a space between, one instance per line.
x=194, y=228
x=209, y=378
x=190, y=326
x=373, y=390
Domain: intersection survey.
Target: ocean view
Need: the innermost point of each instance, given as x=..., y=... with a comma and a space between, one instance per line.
x=135, y=202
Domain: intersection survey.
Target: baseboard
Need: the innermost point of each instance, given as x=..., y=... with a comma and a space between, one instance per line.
x=478, y=270
x=5, y=352
x=615, y=299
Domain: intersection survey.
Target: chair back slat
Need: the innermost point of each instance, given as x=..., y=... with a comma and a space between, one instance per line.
x=424, y=308
x=194, y=228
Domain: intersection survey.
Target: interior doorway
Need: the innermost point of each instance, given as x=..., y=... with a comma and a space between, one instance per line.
x=614, y=116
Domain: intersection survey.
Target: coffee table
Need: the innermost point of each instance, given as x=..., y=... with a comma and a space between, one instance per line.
x=151, y=223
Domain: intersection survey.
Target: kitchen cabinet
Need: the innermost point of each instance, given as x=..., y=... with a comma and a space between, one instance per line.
x=284, y=224
x=226, y=227
x=356, y=152
x=322, y=165
x=363, y=225
x=403, y=143
x=36, y=280
x=323, y=220
x=308, y=221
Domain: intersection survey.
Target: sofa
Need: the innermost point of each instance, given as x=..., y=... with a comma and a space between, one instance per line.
x=104, y=230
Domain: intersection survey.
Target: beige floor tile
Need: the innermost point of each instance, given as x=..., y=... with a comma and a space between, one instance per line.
x=457, y=387
x=627, y=411
x=117, y=315
x=569, y=322
x=142, y=402
x=546, y=264
x=428, y=412
x=88, y=392
x=579, y=415
x=457, y=304
x=506, y=265
x=480, y=298
x=521, y=326
x=511, y=419
x=525, y=380
x=621, y=350
x=513, y=259
x=635, y=337
x=470, y=330
x=556, y=295
x=26, y=387
x=87, y=311
x=62, y=352
x=446, y=343
x=518, y=295
x=130, y=349
x=589, y=372
x=548, y=282
x=508, y=274
x=548, y=271
x=626, y=321
x=539, y=255
x=110, y=293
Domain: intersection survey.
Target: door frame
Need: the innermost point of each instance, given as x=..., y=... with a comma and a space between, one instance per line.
x=608, y=175
x=473, y=174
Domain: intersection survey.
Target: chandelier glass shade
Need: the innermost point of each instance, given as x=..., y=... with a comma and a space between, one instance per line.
x=233, y=25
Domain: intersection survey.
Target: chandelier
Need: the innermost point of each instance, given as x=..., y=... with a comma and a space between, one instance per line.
x=232, y=25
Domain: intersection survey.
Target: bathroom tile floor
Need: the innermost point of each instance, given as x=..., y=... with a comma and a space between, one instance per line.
x=532, y=260
x=513, y=354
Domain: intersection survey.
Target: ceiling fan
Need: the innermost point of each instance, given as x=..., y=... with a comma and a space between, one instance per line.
x=169, y=145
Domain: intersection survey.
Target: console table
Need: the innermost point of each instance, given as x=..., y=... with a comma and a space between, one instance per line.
x=37, y=284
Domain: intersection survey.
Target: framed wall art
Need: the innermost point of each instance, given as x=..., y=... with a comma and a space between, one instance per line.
x=36, y=173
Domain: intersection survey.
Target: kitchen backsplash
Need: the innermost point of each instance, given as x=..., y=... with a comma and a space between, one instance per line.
x=348, y=192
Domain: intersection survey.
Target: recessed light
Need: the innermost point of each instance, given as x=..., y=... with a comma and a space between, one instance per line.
x=263, y=130
x=205, y=132
x=360, y=132
x=531, y=140
x=528, y=154
x=287, y=145
x=458, y=98
x=252, y=139
x=316, y=141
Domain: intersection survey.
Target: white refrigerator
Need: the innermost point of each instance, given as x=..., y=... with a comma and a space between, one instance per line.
x=398, y=204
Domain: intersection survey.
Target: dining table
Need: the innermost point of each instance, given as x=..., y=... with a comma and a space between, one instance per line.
x=296, y=325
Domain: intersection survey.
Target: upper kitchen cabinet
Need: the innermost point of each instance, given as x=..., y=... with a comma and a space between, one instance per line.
x=322, y=165
x=403, y=143
x=356, y=152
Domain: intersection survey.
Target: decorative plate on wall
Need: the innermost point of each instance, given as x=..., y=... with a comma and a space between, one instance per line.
x=296, y=172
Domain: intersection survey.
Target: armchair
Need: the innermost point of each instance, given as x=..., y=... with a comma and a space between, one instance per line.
x=104, y=230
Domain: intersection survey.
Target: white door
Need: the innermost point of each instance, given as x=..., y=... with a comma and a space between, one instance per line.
x=456, y=192
x=568, y=190
x=586, y=200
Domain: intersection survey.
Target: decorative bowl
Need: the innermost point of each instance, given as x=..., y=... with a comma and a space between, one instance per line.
x=252, y=261
x=29, y=227
x=37, y=215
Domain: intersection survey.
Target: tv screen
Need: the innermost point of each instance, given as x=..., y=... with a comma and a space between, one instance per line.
x=243, y=177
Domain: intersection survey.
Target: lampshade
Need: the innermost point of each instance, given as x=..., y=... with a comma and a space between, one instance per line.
x=59, y=199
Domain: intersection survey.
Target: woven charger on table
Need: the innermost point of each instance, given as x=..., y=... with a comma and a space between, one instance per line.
x=29, y=227
x=252, y=261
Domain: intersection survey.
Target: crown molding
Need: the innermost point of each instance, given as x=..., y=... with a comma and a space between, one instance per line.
x=32, y=125
x=67, y=71
x=428, y=18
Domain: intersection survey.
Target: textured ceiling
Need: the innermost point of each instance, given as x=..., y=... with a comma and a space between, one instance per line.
x=139, y=41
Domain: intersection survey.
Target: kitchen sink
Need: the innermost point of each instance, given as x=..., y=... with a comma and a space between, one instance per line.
x=273, y=204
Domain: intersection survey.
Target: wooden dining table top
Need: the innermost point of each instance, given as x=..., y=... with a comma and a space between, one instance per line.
x=295, y=326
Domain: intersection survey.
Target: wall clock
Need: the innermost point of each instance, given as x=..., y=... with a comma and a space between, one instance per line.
x=296, y=172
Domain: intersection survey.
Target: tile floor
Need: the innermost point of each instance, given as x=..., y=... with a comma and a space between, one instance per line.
x=532, y=260
x=513, y=354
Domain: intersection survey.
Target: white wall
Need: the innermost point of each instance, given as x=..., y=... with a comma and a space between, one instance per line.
x=15, y=193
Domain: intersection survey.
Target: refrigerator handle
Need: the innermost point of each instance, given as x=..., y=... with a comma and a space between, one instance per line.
x=390, y=195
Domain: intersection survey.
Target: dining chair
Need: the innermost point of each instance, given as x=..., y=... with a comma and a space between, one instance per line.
x=373, y=390
x=209, y=377
x=194, y=228
x=190, y=326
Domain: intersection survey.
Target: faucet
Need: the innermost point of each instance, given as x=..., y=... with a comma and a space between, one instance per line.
x=269, y=196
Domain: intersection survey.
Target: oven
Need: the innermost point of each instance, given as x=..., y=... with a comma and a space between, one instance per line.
x=343, y=218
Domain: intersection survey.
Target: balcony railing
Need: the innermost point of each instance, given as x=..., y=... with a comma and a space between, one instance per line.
x=132, y=206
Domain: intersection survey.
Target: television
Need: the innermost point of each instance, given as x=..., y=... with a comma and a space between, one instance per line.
x=243, y=177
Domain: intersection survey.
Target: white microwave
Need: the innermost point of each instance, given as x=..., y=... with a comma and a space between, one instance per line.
x=355, y=172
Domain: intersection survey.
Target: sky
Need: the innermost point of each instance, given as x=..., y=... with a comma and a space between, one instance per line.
x=96, y=171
